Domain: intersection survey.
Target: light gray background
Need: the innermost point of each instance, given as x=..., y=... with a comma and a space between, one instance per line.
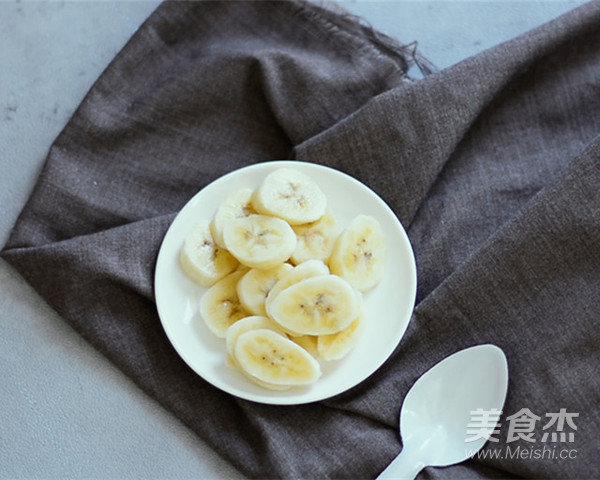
x=65, y=411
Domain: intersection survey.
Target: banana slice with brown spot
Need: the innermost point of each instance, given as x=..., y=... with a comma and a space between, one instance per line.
x=259, y=241
x=291, y=195
x=316, y=239
x=315, y=306
x=220, y=305
x=254, y=287
x=237, y=205
x=201, y=259
x=269, y=357
x=359, y=253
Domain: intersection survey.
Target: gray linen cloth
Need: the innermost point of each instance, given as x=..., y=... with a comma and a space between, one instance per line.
x=492, y=165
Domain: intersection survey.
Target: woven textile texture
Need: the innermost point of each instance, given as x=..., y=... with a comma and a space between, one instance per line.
x=492, y=165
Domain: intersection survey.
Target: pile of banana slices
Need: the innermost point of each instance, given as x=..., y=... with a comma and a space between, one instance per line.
x=284, y=280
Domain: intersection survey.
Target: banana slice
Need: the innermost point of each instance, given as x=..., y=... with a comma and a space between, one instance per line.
x=262, y=383
x=201, y=259
x=359, y=253
x=308, y=343
x=236, y=205
x=220, y=306
x=316, y=239
x=259, y=241
x=269, y=357
x=244, y=325
x=291, y=195
x=279, y=319
x=310, y=268
x=254, y=287
x=336, y=346
x=315, y=306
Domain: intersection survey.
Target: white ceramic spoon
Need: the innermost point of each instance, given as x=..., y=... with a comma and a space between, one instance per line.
x=437, y=409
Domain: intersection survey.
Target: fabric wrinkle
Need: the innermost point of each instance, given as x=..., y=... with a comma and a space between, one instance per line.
x=492, y=173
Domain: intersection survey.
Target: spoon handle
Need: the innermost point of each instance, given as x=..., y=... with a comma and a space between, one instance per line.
x=405, y=466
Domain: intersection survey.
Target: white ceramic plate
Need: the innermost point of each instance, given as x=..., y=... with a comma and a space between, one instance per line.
x=388, y=307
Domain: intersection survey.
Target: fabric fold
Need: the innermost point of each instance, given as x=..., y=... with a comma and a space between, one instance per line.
x=492, y=165
x=474, y=142
x=404, y=146
x=224, y=84
x=533, y=290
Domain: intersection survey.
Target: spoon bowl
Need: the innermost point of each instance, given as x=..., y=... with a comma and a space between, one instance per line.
x=435, y=415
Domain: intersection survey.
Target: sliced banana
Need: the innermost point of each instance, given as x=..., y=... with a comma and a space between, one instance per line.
x=310, y=268
x=220, y=306
x=315, y=306
x=256, y=284
x=359, y=253
x=236, y=205
x=260, y=241
x=244, y=325
x=283, y=280
x=290, y=194
x=269, y=357
x=316, y=239
x=336, y=346
x=262, y=383
x=201, y=259
x=308, y=343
